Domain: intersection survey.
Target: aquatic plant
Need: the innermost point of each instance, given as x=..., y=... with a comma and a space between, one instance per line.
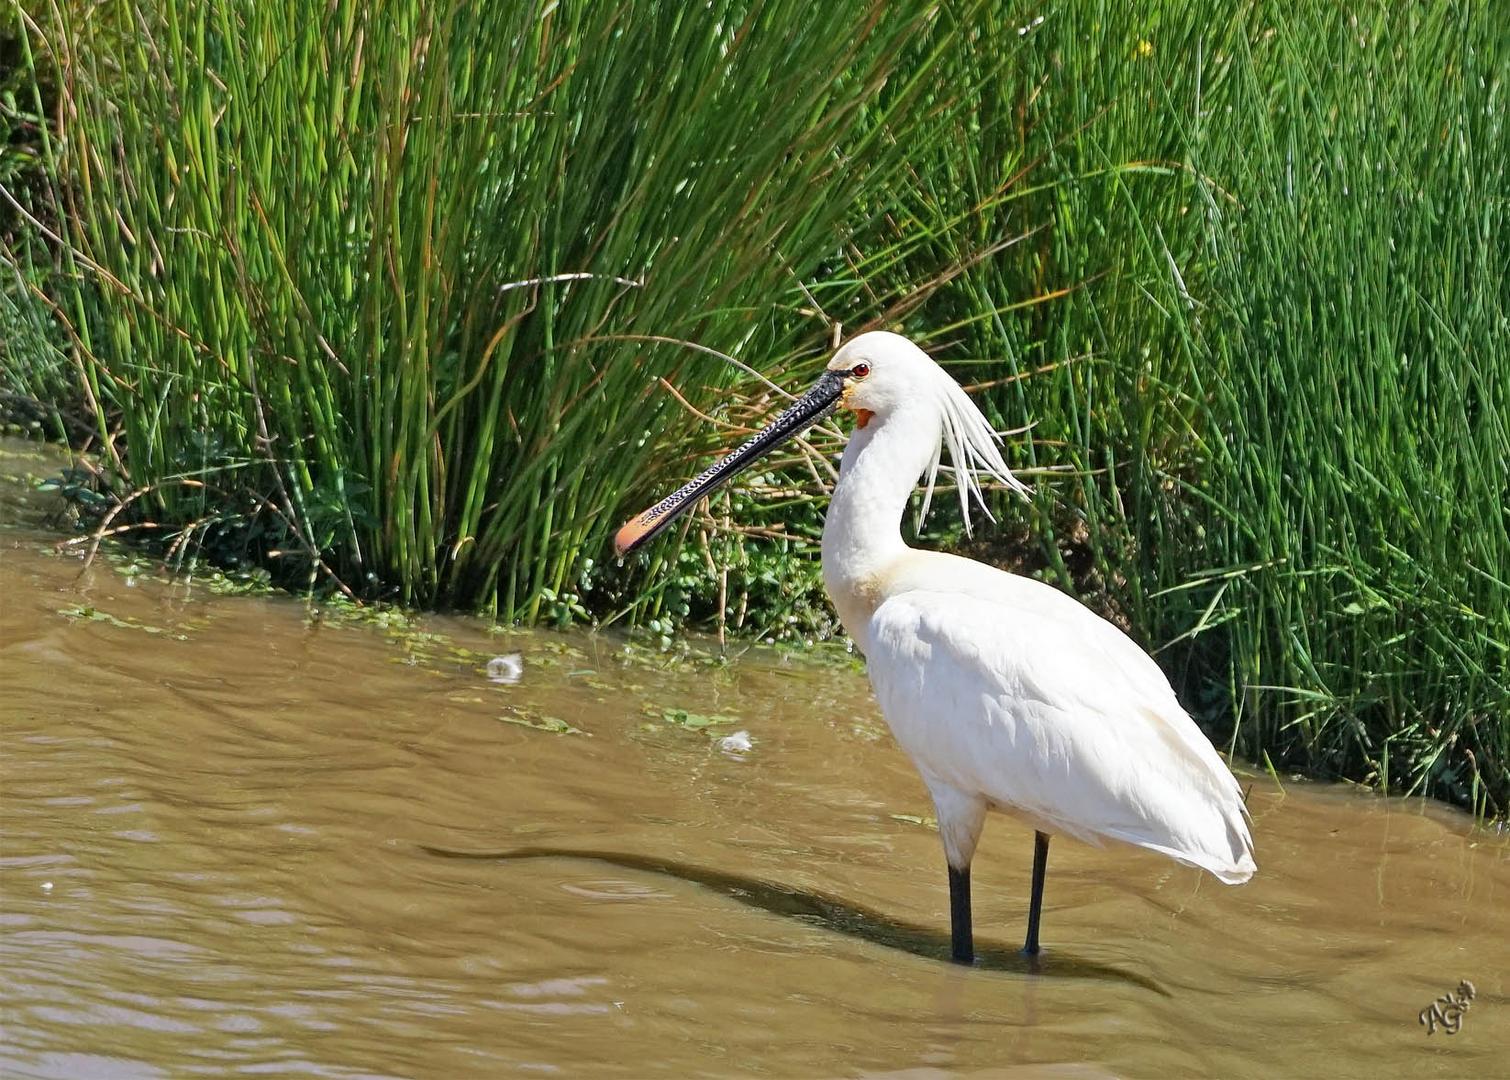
x=425, y=311
x=397, y=294
x=1263, y=335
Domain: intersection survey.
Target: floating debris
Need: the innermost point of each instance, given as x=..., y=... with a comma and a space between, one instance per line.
x=738, y=743
x=693, y=721
x=86, y=613
x=539, y=722
x=507, y=670
x=913, y=819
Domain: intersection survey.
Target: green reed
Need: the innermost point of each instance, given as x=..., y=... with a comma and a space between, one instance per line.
x=377, y=283
x=385, y=293
x=1279, y=372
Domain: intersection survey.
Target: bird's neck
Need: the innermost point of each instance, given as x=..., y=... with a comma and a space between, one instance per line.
x=862, y=534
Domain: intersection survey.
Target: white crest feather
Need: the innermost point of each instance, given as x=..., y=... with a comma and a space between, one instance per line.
x=974, y=451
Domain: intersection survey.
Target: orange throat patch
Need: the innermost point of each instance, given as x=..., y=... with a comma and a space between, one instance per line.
x=862, y=417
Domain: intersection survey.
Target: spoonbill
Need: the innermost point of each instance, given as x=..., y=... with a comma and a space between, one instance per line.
x=1006, y=693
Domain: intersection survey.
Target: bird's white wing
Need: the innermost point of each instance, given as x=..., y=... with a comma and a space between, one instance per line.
x=1044, y=708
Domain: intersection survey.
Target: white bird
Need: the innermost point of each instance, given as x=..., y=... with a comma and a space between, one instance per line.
x=1006, y=693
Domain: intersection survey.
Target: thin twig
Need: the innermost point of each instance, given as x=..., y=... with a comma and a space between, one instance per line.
x=662, y=340
x=578, y=276
x=739, y=429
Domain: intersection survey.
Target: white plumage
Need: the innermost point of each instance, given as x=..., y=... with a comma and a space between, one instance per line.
x=1006, y=693
x=1005, y=697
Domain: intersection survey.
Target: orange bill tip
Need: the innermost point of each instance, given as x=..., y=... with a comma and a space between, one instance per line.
x=630, y=533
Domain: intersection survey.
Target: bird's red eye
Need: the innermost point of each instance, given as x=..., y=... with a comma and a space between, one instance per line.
x=859, y=371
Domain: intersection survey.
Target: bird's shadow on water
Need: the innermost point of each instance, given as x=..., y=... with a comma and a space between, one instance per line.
x=830, y=913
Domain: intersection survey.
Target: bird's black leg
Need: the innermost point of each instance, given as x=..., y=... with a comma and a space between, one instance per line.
x=962, y=940
x=1035, y=906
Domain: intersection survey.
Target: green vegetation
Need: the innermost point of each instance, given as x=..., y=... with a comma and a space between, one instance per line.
x=419, y=301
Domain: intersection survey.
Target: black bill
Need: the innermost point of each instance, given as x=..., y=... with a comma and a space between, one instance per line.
x=803, y=413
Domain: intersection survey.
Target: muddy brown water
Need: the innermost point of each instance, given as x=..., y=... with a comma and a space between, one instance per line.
x=239, y=838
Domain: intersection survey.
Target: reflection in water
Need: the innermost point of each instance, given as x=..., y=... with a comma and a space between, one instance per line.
x=213, y=811
x=819, y=909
